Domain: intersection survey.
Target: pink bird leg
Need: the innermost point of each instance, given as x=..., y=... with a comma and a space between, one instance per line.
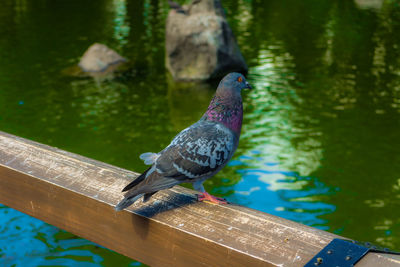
x=206, y=197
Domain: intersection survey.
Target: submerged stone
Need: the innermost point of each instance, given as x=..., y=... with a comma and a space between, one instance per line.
x=98, y=58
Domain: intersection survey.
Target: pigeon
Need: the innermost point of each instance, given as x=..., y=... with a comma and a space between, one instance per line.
x=197, y=152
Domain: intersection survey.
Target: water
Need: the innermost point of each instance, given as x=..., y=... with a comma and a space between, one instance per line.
x=319, y=143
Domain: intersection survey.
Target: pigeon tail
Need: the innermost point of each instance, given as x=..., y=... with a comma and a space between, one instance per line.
x=127, y=201
x=146, y=185
x=137, y=180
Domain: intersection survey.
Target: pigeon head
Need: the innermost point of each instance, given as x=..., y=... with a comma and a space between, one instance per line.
x=226, y=106
x=232, y=84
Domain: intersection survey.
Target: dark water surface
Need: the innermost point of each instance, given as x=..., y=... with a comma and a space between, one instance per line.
x=321, y=136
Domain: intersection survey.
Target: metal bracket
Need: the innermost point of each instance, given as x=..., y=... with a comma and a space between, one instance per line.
x=343, y=253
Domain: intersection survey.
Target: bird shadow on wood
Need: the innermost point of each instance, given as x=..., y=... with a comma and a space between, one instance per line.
x=172, y=201
x=156, y=206
x=141, y=225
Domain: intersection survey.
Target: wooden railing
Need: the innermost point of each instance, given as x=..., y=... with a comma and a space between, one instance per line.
x=172, y=229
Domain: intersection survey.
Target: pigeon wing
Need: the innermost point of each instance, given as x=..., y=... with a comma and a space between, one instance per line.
x=197, y=152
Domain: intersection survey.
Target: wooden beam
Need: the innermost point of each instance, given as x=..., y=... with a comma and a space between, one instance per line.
x=79, y=194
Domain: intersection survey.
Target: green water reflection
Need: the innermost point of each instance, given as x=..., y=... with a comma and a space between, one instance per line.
x=320, y=137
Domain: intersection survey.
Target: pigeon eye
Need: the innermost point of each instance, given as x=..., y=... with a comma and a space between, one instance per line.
x=240, y=79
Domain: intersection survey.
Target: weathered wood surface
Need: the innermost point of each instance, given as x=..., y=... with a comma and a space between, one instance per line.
x=79, y=194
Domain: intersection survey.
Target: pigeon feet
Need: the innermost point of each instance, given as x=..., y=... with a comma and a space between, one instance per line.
x=206, y=197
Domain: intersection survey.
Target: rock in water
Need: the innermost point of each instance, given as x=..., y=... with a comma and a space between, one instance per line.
x=100, y=58
x=200, y=45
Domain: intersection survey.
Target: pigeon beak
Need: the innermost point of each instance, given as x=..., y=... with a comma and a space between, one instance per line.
x=248, y=86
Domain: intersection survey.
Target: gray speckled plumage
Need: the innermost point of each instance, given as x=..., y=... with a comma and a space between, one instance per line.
x=199, y=151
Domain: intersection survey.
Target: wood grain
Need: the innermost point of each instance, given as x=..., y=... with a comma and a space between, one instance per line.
x=79, y=194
